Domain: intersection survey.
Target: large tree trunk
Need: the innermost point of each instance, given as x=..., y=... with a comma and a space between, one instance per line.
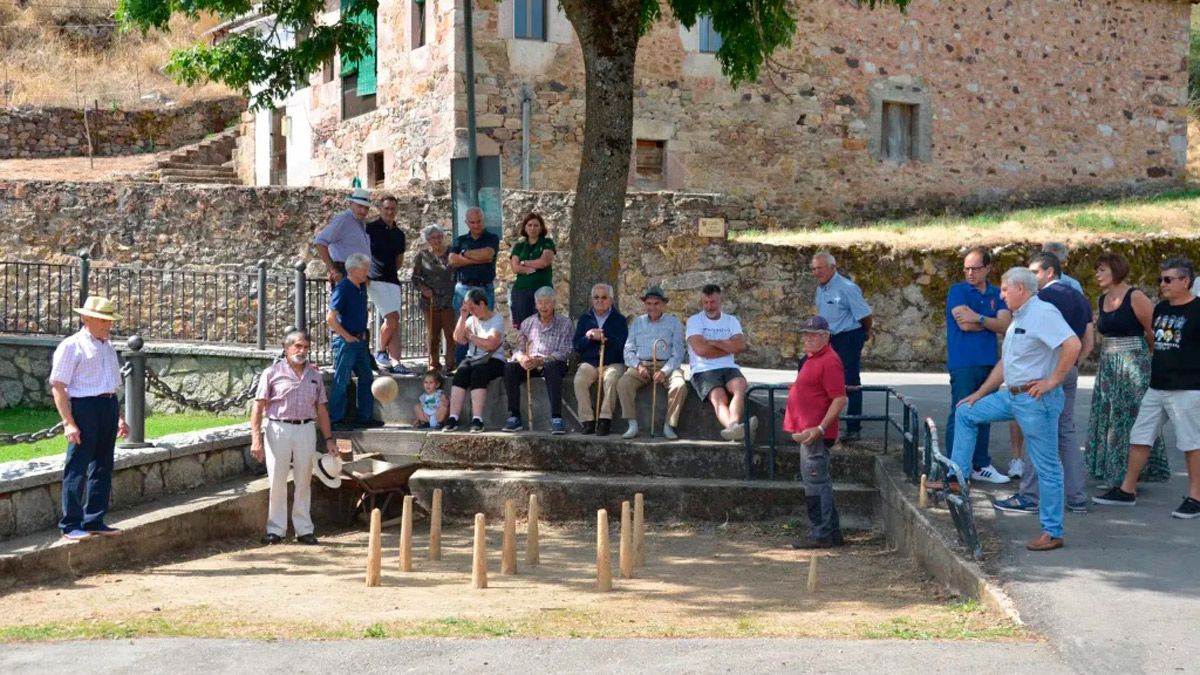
x=608, y=34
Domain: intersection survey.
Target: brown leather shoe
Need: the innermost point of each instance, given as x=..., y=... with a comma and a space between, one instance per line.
x=937, y=485
x=1045, y=543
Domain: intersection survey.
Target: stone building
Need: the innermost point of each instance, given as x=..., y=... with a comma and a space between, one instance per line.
x=961, y=104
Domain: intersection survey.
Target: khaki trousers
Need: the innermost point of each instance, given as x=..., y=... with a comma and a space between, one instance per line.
x=631, y=381
x=585, y=381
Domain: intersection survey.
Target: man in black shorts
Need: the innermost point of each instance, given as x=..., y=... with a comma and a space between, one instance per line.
x=713, y=338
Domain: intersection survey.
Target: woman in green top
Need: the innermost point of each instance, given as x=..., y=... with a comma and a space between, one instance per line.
x=532, y=260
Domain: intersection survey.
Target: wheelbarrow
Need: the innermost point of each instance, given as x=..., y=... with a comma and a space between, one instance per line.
x=378, y=483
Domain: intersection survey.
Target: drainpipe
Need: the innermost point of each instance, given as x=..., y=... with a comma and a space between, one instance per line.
x=526, y=105
x=472, y=154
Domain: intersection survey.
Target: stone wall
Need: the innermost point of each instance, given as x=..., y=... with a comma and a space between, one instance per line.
x=203, y=372
x=60, y=132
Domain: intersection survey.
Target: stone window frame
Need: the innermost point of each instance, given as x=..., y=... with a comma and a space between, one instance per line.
x=376, y=162
x=907, y=91
x=643, y=183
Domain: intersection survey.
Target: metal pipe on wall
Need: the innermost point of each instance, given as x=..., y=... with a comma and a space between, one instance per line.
x=526, y=105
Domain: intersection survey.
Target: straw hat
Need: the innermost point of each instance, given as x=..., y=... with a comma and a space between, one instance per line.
x=99, y=308
x=360, y=197
x=328, y=470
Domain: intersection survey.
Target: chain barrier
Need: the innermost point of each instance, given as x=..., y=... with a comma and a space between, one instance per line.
x=157, y=386
x=32, y=436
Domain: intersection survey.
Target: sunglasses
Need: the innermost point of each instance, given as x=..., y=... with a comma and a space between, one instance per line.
x=1168, y=279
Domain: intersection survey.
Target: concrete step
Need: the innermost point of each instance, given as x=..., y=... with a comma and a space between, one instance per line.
x=576, y=497
x=594, y=455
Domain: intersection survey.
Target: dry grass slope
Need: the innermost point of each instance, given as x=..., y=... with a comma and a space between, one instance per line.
x=46, y=46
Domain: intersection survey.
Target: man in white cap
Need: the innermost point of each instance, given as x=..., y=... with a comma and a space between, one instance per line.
x=345, y=235
x=84, y=380
x=291, y=396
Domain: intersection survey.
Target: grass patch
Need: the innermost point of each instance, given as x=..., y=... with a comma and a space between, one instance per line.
x=23, y=420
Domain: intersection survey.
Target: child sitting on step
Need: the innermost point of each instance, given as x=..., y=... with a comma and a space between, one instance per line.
x=432, y=405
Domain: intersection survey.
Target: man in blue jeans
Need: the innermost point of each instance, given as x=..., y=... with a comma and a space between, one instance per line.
x=347, y=319
x=473, y=258
x=975, y=317
x=1039, y=351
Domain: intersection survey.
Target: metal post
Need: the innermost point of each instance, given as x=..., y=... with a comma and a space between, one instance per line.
x=472, y=152
x=300, y=281
x=887, y=413
x=526, y=105
x=771, y=433
x=135, y=394
x=262, y=304
x=85, y=267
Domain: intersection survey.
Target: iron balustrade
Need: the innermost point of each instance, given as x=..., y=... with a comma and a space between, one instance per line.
x=959, y=505
x=412, y=322
x=36, y=298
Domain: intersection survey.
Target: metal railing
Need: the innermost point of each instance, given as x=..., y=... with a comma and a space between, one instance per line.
x=959, y=505
x=915, y=459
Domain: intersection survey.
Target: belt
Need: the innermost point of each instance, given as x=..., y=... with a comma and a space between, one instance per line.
x=357, y=336
x=1021, y=389
x=75, y=398
x=307, y=421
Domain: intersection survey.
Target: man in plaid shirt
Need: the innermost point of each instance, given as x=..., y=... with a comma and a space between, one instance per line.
x=543, y=348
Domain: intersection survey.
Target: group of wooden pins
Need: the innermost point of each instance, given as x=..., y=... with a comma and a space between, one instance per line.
x=631, y=554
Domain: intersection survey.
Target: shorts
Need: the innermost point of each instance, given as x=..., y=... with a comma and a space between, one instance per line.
x=473, y=376
x=385, y=296
x=708, y=380
x=1182, y=407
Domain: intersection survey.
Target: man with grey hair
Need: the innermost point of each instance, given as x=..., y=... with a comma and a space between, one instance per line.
x=1061, y=251
x=345, y=234
x=601, y=327
x=473, y=258
x=840, y=302
x=543, y=348
x=1039, y=350
x=347, y=319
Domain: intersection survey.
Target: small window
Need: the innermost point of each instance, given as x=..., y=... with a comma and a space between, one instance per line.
x=418, y=23
x=898, y=131
x=650, y=168
x=710, y=39
x=375, y=170
x=279, y=132
x=327, y=70
x=353, y=104
x=529, y=19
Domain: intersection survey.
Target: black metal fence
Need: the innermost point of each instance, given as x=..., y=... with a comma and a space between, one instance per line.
x=250, y=306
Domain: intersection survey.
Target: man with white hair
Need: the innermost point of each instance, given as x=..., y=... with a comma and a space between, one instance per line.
x=346, y=234
x=1039, y=351
x=1061, y=251
x=347, y=319
x=602, y=327
x=543, y=350
x=841, y=303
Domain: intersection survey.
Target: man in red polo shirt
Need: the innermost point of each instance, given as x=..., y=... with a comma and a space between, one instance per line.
x=815, y=400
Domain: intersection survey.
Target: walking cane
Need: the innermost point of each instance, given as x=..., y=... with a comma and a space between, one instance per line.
x=528, y=387
x=600, y=382
x=653, y=385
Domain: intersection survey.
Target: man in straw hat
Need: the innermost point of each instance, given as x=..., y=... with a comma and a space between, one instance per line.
x=84, y=380
x=291, y=396
x=653, y=352
x=345, y=235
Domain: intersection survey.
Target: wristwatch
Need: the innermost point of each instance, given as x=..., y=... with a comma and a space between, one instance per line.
x=981, y=319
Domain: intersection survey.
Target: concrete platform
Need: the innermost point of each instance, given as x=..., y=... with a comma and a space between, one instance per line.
x=575, y=497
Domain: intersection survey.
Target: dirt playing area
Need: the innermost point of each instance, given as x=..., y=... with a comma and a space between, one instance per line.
x=75, y=168
x=729, y=581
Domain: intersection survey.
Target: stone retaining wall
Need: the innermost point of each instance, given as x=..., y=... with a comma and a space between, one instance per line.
x=60, y=132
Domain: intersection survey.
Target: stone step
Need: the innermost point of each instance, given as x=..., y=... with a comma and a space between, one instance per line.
x=576, y=497
x=199, y=180
x=215, y=171
x=594, y=455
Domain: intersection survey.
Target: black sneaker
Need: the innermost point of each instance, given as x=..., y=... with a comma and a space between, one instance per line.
x=1116, y=497
x=513, y=423
x=369, y=424
x=1190, y=508
x=476, y=425
x=271, y=539
x=603, y=427
x=307, y=539
x=451, y=424
x=811, y=543
x=589, y=427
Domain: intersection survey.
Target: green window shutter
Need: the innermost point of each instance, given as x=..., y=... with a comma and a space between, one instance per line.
x=366, y=67
x=348, y=67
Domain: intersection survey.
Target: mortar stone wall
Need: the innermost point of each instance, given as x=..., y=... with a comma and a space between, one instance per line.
x=61, y=132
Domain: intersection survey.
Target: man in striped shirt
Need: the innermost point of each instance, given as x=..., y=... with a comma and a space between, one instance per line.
x=542, y=349
x=84, y=379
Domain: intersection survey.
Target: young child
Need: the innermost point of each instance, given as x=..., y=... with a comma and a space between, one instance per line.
x=432, y=406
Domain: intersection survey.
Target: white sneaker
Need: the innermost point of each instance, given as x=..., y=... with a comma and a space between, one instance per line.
x=989, y=474
x=1016, y=468
x=669, y=432
x=632, y=431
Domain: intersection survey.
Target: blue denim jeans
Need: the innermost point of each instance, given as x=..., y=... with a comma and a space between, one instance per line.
x=87, y=474
x=460, y=296
x=963, y=383
x=1038, y=419
x=849, y=346
x=351, y=357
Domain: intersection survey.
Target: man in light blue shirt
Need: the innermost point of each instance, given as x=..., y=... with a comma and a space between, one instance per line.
x=840, y=302
x=345, y=235
x=1060, y=251
x=1039, y=351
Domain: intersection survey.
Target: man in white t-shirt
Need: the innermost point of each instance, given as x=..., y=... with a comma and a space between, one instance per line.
x=712, y=339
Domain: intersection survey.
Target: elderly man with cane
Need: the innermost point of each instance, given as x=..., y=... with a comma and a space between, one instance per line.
x=84, y=379
x=601, y=330
x=545, y=348
x=653, y=355
x=291, y=396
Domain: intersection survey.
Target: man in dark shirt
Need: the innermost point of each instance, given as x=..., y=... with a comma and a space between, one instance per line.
x=473, y=257
x=387, y=256
x=1077, y=312
x=347, y=319
x=601, y=325
x=1174, y=391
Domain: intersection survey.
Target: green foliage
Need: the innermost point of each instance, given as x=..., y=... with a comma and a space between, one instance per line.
x=1194, y=64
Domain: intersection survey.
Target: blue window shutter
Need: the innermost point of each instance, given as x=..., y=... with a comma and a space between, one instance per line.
x=521, y=18
x=539, y=19
x=710, y=39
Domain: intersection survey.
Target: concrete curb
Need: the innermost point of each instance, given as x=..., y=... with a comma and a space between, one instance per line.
x=913, y=534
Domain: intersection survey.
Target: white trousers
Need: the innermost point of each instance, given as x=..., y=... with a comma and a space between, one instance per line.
x=290, y=446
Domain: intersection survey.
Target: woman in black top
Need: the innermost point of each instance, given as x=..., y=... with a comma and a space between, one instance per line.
x=1123, y=322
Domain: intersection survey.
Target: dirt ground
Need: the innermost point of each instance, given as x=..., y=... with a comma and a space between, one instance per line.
x=74, y=168
x=729, y=581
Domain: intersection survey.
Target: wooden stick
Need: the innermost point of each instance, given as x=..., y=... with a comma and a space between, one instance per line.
x=923, y=496
x=479, y=557
x=375, y=549
x=528, y=388
x=406, y=522
x=639, y=530
x=626, y=545
x=599, y=383
x=435, y=526
x=603, y=555
x=533, y=555
x=812, y=574
x=508, y=549
x=653, y=386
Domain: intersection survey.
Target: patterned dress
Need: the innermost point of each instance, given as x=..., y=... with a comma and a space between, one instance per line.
x=1121, y=381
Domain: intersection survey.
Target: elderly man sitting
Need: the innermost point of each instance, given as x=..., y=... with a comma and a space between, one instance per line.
x=653, y=353
x=543, y=348
x=601, y=328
